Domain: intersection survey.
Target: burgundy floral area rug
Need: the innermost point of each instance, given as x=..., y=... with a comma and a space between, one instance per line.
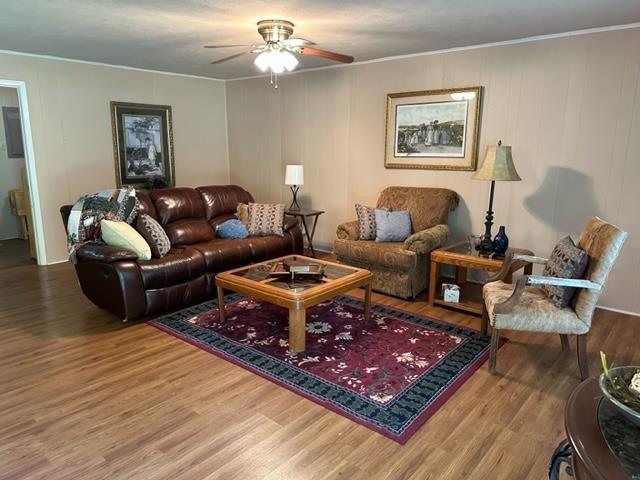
x=390, y=373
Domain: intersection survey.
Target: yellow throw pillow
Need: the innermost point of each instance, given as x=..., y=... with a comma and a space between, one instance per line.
x=121, y=234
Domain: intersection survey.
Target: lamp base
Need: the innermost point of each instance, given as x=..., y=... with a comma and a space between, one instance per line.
x=294, y=203
x=486, y=246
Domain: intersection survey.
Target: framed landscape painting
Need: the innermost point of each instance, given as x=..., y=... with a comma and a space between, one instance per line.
x=142, y=144
x=434, y=129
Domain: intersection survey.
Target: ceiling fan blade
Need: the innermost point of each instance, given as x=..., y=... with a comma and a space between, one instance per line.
x=297, y=42
x=230, y=57
x=225, y=46
x=338, y=57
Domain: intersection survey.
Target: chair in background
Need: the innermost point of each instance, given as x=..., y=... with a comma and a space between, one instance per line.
x=524, y=306
x=401, y=269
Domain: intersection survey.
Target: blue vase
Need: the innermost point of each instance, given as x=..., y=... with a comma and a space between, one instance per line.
x=500, y=242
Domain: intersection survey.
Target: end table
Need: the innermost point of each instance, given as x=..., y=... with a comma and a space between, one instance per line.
x=302, y=214
x=460, y=255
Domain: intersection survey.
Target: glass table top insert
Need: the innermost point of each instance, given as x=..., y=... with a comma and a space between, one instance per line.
x=261, y=272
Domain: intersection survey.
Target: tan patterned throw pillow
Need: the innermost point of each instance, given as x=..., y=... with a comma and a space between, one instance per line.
x=242, y=213
x=154, y=234
x=367, y=221
x=266, y=219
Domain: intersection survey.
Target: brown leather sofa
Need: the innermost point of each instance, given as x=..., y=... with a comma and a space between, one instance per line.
x=115, y=280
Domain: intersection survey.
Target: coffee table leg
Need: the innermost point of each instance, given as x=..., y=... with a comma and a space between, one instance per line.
x=297, y=332
x=221, y=303
x=367, y=301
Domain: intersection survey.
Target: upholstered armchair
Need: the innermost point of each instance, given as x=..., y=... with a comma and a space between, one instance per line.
x=524, y=306
x=401, y=268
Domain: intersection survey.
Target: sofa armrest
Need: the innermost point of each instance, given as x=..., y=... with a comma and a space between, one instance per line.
x=289, y=223
x=348, y=231
x=99, y=252
x=426, y=240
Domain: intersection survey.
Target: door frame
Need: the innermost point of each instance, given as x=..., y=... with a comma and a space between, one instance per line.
x=30, y=166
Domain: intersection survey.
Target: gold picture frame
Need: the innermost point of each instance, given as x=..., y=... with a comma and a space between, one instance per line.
x=142, y=144
x=433, y=129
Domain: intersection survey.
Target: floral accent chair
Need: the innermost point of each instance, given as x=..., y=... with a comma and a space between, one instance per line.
x=525, y=306
x=401, y=268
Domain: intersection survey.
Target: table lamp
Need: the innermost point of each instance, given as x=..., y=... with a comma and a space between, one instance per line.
x=294, y=177
x=497, y=167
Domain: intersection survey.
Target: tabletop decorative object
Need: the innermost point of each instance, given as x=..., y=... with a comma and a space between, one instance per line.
x=497, y=167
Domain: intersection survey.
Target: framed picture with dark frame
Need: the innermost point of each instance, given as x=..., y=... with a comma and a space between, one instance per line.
x=142, y=144
x=433, y=129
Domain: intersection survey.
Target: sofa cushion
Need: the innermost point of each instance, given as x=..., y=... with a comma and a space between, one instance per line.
x=566, y=261
x=220, y=199
x=154, y=235
x=266, y=219
x=123, y=235
x=179, y=265
x=392, y=226
x=272, y=246
x=363, y=253
x=220, y=219
x=189, y=230
x=224, y=254
x=177, y=203
x=366, y=222
x=146, y=205
x=242, y=213
x=233, y=228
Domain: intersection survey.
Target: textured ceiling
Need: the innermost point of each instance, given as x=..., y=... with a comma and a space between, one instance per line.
x=168, y=35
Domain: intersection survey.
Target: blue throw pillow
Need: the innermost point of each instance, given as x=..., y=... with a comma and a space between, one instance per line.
x=232, y=229
x=392, y=226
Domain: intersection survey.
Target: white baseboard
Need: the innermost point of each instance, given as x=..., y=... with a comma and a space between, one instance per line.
x=619, y=310
x=57, y=262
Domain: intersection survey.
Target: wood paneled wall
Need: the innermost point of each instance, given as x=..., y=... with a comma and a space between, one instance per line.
x=71, y=126
x=570, y=107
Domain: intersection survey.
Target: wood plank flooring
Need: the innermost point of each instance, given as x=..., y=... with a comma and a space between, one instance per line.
x=84, y=396
x=14, y=252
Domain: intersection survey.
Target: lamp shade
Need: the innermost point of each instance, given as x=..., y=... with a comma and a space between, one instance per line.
x=498, y=165
x=294, y=175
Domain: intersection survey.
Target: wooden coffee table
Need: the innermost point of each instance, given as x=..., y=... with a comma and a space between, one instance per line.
x=254, y=281
x=462, y=258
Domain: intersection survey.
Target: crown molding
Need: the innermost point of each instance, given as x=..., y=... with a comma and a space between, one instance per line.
x=109, y=65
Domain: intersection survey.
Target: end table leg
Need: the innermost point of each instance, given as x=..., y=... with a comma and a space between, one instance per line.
x=367, y=301
x=221, y=303
x=433, y=278
x=461, y=275
x=297, y=332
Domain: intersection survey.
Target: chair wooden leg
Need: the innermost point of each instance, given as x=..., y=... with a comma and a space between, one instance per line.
x=564, y=341
x=484, y=325
x=583, y=362
x=493, y=351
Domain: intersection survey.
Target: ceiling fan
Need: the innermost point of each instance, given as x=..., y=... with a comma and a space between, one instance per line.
x=279, y=51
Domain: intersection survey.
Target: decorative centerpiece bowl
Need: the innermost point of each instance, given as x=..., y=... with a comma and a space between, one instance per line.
x=614, y=383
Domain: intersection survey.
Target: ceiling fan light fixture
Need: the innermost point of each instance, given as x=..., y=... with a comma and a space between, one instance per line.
x=290, y=60
x=276, y=60
x=262, y=61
